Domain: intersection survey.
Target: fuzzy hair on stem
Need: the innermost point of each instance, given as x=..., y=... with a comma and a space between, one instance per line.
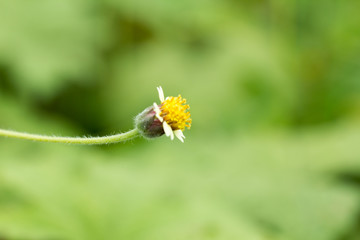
x=121, y=137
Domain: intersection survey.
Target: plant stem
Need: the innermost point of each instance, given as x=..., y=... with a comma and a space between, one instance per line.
x=121, y=137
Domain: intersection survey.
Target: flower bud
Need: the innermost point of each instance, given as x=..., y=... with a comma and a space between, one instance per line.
x=148, y=124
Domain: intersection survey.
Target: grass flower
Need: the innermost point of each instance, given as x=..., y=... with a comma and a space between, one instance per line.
x=170, y=117
x=173, y=113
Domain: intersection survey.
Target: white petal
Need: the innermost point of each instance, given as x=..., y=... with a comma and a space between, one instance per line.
x=157, y=112
x=161, y=93
x=168, y=130
x=179, y=134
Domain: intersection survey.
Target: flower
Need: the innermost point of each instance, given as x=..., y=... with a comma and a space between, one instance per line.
x=173, y=113
x=170, y=117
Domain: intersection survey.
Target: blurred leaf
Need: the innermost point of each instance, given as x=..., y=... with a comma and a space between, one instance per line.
x=48, y=43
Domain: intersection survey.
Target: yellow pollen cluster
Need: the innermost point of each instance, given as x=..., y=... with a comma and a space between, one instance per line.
x=174, y=111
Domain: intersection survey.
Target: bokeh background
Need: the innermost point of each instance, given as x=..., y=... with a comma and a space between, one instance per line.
x=274, y=89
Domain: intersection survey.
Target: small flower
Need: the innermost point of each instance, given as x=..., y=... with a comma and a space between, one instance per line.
x=174, y=115
x=171, y=117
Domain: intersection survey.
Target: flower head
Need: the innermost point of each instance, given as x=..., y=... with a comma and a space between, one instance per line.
x=173, y=113
x=171, y=117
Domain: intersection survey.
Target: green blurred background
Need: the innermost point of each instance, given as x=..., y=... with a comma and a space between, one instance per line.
x=274, y=90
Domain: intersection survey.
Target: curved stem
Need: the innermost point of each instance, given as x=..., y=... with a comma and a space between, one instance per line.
x=72, y=140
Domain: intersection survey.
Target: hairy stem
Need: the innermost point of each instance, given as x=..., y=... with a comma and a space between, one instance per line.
x=121, y=137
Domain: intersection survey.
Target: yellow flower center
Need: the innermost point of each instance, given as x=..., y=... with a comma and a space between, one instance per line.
x=174, y=110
